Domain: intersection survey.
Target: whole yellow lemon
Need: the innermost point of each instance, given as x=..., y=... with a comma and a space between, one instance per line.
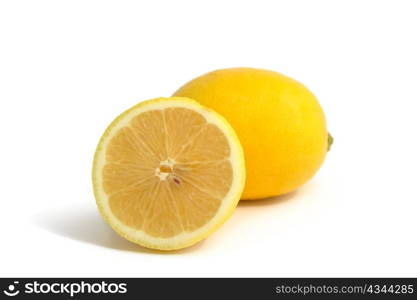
x=279, y=122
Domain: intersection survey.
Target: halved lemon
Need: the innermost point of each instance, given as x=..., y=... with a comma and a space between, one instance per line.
x=167, y=173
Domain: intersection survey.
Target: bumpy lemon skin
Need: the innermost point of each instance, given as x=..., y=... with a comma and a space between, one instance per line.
x=279, y=122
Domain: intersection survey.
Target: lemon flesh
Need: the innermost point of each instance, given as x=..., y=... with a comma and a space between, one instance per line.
x=167, y=173
x=280, y=124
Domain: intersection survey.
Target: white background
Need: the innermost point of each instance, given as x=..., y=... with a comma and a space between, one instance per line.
x=67, y=68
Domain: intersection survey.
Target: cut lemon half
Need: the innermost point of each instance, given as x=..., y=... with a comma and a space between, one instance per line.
x=167, y=173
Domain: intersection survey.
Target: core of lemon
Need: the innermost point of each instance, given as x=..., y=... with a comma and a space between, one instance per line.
x=167, y=173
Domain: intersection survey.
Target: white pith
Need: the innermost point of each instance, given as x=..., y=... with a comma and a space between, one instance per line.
x=169, y=162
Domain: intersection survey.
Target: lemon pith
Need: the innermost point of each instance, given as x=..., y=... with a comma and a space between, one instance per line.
x=167, y=173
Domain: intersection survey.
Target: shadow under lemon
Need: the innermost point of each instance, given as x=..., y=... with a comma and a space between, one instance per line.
x=269, y=201
x=84, y=224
